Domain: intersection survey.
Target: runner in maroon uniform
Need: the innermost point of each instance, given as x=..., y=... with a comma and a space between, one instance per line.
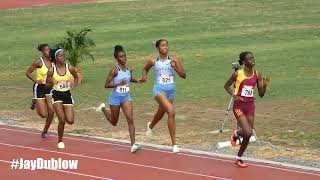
x=245, y=81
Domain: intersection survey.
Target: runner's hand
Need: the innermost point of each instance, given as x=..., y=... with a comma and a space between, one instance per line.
x=143, y=79
x=237, y=98
x=123, y=82
x=173, y=63
x=72, y=87
x=266, y=80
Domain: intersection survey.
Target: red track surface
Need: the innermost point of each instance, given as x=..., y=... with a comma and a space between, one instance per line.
x=98, y=159
x=11, y=4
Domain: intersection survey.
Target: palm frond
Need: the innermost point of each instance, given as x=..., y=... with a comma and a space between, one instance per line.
x=77, y=46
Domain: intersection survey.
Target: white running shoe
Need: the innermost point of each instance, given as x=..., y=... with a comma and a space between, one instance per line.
x=175, y=149
x=135, y=147
x=149, y=130
x=99, y=108
x=60, y=145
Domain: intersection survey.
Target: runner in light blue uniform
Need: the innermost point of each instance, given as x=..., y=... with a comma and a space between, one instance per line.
x=119, y=79
x=164, y=90
x=120, y=94
x=165, y=79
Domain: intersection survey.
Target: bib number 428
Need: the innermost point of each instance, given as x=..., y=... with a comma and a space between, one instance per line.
x=63, y=85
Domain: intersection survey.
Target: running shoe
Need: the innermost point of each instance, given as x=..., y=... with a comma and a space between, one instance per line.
x=99, y=108
x=44, y=134
x=149, y=130
x=175, y=149
x=233, y=138
x=60, y=145
x=240, y=163
x=135, y=147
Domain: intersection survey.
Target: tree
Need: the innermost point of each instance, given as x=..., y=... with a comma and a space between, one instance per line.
x=77, y=47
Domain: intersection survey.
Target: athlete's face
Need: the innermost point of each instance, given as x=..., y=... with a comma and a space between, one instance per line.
x=163, y=47
x=122, y=58
x=60, y=57
x=249, y=62
x=46, y=51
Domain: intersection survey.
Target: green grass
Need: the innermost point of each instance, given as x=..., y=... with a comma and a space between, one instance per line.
x=208, y=35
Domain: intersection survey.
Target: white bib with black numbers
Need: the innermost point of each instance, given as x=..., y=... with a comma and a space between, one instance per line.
x=63, y=84
x=166, y=79
x=247, y=91
x=123, y=89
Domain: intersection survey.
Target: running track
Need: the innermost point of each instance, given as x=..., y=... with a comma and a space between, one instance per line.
x=101, y=159
x=12, y=4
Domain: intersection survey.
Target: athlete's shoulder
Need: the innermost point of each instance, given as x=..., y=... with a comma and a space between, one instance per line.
x=69, y=66
x=37, y=62
x=114, y=71
x=174, y=58
x=152, y=60
x=128, y=69
x=51, y=69
x=239, y=71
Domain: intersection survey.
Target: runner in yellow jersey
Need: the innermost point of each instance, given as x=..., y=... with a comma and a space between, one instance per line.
x=41, y=93
x=60, y=76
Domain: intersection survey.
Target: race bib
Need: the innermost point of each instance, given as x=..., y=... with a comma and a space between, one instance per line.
x=122, y=89
x=166, y=79
x=64, y=84
x=247, y=91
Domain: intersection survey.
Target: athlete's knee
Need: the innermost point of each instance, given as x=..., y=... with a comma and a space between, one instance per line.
x=42, y=115
x=171, y=112
x=114, y=121
x=62, y=120
x=70, y=122
x=130, y=120
x=50, y=112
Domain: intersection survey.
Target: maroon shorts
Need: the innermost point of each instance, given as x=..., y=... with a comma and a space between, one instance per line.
x=243, y=109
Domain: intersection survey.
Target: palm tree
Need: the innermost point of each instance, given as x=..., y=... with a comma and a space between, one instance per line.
x=77, y=47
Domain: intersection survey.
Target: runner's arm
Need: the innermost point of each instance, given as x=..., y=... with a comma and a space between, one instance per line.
x=75, y=77
x=49, y=77
x=133, y=80
x=262, y=84
x=228, y=84
x=146, y=69
x=109, y=83
x=177, y=66
x=36, y=64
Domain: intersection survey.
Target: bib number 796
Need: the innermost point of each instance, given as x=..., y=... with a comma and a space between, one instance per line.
x=247, y=91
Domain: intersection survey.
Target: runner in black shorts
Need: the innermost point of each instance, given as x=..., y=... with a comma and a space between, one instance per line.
x=60, y=75
x=41, y=92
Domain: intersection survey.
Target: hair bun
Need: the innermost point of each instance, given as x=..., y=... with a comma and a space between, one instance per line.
x=240, y=62
x=41, y=46
x=118, y=48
